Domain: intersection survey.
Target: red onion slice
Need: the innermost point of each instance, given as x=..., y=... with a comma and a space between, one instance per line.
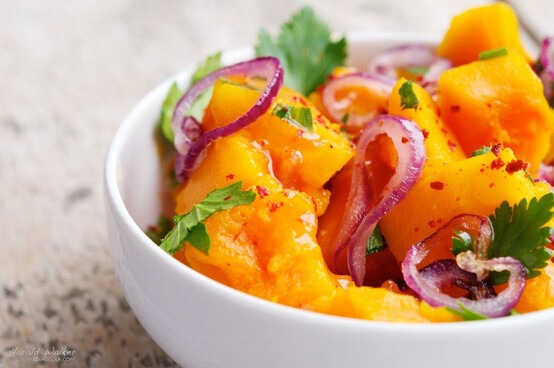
x=378, y=85
x=360, y=216
x=446, y=272
x=546, y=174
x=428, y=288
x=188, y=143
x=406, y=56
x=545, y=68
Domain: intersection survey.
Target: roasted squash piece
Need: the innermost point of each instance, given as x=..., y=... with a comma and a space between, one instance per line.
x=299, y=159
x=481, y=29
x=539, y=292
x=497, y=100
x=441, y=146
x=474, y=185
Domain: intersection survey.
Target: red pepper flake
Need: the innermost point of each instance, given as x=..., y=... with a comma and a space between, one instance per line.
x=416, y=229
x=489, y=105
x=315, y=203
x=516, y=165
x=452, y=145
x=230, y=177
x=227, y=198
x=439, y=221
x=444, y=131
x=491, y=185
x=330, y=146
x=285, y=109
x=320, y=119
x=438, y=112
x=482, y=170
x=405, y=140
x=425, y=133
x=274, y=206
x=454, y=108
x=299, y=133
x=299, y=100
x=496, y=149
x=264, y=143
x=437, y=185
x=497, y=164
x=262, y=191
x=431, y=223
x=245, y=224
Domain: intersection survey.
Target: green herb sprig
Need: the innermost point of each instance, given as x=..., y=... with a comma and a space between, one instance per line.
x=189, y=227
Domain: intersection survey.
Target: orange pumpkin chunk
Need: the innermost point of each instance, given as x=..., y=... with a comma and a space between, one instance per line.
x=481, y=29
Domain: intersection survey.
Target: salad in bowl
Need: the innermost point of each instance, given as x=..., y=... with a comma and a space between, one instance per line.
x=416, y=189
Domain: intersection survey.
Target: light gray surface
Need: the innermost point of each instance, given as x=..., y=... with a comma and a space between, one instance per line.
x=69, y=71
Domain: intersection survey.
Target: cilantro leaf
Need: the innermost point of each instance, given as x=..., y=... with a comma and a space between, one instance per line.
x=210, y=65
x=461, y=242
x=466, y=313
x=305, y=49
x=376, y=242
x=295, y=115
x=481, y=151
x=489, y=54
x=168, y=106
x=520, y=232
x=189, y=227
x=408, y=99
x=156, y=233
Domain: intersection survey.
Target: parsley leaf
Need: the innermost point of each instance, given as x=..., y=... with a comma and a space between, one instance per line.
x=481, y=151
x=376, y=242
x=210, y=65
x=156, y=233
x=168, y=106
x=189, y=227
x=408, y=99
x=295, y=115
x=305, y=49
x=520, y=232
x=461, y=242
x=467, y=314
x=489, y=54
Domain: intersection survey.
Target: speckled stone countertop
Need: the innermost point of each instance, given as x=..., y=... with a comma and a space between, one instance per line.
x=69, y=71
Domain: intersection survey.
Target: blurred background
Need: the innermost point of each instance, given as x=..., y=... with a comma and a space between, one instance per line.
x=69, y=72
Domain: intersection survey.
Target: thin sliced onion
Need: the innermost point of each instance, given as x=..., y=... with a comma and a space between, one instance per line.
x=545, y=68
x=360, y=216
x=406, y=56
x=428, y=288
x=377, y=85
x=546, y=173
x=188, y=143
x=446, y=272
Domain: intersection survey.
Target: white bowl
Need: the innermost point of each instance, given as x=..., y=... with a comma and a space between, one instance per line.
x=201, y=323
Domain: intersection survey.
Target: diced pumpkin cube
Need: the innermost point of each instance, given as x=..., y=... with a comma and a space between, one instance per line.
x=299, y=158
x=497, y=100
x=539, y=292
x=481, y=29
x=474, y=185
x=441, y=146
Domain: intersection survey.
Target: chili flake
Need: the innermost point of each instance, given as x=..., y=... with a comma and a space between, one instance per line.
x=437, y=185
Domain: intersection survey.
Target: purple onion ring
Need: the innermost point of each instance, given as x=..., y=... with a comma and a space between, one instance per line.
x=360, y=216
x=188, y=143
x=428, y=288
x=545, y=68
x=380, y=85
x=406, y=56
